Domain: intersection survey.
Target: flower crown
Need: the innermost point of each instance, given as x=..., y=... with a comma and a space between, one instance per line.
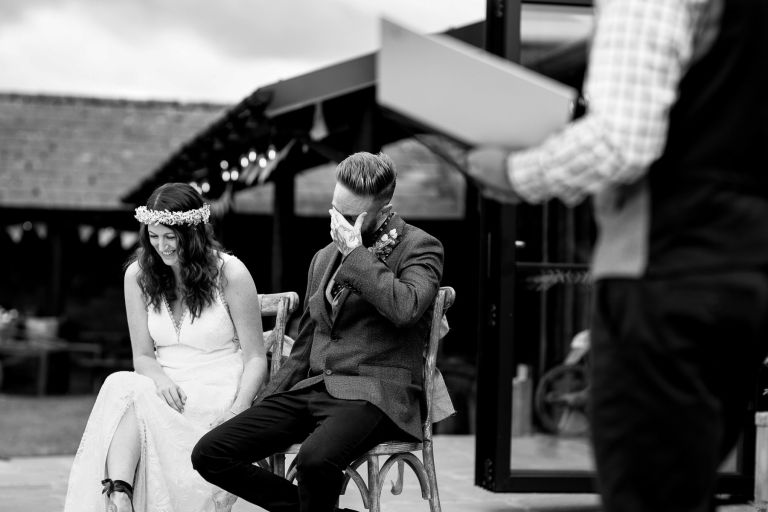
x=189, y=217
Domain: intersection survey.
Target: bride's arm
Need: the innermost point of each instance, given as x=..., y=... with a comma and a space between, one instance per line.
x=243, y=300
x=144, y=361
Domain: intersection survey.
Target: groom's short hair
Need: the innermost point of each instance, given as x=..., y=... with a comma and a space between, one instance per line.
x=368, y=175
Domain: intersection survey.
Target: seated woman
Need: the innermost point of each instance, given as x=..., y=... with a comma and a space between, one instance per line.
x=199, y=356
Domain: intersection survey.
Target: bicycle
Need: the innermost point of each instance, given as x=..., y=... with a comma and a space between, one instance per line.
x=561, y=393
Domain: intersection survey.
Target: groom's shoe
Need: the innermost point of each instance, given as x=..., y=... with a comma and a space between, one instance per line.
x=345, y=510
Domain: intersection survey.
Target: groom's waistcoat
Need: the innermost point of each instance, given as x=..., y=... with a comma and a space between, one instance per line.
x=370, y=346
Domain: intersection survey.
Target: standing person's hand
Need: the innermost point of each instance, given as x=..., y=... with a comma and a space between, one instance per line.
x=346, y=236
x=487, y=166
x=171, y=393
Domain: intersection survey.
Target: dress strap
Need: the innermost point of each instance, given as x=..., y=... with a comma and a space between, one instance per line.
x=224, y=258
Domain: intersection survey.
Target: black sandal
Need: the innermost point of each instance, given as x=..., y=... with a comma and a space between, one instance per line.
x=117, y=486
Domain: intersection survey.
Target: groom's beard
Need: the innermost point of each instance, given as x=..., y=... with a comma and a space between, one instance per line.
x=367, y=236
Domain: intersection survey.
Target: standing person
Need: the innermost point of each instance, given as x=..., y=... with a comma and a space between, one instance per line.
x=354, y=376
x=672, y=150
x=199, y=358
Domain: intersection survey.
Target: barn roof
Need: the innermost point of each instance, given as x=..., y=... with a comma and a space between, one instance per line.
x=76, y=153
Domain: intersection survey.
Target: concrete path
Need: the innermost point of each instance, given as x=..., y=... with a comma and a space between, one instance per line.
x=38, y=484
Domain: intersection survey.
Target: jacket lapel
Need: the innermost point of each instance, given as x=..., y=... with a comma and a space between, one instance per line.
x=343, y=294
x=319, y=296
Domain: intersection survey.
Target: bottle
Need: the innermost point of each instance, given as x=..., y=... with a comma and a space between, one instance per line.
x=522, y=395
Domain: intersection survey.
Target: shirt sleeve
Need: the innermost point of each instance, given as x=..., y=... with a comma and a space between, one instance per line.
x=640, y=50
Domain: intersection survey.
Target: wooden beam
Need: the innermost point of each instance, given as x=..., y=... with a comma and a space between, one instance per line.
x=496, y=225
x=282, y=224
x=56, y=297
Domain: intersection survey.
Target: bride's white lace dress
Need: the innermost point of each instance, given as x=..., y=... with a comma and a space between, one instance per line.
x=203, y=358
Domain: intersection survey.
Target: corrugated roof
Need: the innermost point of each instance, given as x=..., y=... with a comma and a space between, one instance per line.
x=86, y=153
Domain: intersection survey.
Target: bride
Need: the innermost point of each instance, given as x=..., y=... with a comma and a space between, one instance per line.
x=199, y=358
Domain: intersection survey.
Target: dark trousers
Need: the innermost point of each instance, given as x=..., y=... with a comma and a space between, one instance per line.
x=674, y=364
x=333, y=433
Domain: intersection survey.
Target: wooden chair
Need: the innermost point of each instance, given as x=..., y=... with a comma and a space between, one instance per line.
x=761, y=462
x=280, y=306
x=400, y=453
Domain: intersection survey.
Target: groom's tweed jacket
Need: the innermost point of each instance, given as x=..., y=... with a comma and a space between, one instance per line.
x=371, y=345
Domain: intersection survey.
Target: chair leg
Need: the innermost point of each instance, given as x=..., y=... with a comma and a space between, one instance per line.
x=353, y=474
x=374, y=487
x=290, y=473
x=429, y=464
x=278, y=464
x=761, y=461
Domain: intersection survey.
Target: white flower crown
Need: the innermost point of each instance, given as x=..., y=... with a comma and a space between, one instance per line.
x=190, y=217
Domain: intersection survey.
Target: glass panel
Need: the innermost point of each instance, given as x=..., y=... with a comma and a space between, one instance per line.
x=547, y=452
x=549, y=390
x=553, y=294
x=552, y=307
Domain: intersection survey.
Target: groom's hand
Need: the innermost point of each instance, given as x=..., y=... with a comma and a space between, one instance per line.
x=346, y=236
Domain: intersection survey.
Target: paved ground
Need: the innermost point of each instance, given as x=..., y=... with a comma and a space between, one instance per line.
x=37, y=484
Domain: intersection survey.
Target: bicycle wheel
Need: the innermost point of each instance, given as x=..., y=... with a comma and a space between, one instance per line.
x=561, y=400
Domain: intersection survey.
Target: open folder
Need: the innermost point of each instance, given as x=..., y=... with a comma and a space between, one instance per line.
x=467, y=93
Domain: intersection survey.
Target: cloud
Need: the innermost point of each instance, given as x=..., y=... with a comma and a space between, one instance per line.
x=193, y=49
x=14, y=11
x=244, y=28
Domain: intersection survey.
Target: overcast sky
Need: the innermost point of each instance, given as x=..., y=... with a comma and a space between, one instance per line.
x=194, y=50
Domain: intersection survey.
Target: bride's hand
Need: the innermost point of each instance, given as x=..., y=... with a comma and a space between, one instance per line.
x=227, y=415
x=221, y=418
x=172, y=394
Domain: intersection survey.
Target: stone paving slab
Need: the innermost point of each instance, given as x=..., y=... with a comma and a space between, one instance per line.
x=38, y=484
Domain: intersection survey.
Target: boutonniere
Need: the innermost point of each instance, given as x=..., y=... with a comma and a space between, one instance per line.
x=383, y=245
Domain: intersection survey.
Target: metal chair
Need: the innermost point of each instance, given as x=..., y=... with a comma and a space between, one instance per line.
x=400, y=453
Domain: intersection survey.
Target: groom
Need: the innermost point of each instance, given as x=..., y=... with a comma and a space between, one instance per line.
x=354, y=376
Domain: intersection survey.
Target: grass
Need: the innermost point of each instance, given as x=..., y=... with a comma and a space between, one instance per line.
x=50, y=425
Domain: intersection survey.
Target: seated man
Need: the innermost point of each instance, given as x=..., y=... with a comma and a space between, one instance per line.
x=354, y=376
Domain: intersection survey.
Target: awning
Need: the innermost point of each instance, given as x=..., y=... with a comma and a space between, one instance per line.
x=320, y=117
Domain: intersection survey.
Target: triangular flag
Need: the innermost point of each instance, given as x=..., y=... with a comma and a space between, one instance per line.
x=106, y=235
x=15, y=232
x=128, y=239
x=272, y=164
x=41, y=229
x=319, y=129
x=84, y=231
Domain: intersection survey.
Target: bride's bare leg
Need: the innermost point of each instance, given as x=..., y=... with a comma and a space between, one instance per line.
x=123, y=457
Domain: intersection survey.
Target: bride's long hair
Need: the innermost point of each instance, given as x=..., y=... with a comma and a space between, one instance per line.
x=197, y=252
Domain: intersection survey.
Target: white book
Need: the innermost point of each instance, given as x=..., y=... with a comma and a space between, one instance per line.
x=467, y=93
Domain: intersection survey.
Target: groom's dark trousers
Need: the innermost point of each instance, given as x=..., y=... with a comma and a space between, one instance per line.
x=333, y=433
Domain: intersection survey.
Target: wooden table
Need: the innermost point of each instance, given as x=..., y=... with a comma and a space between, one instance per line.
x=41, y=349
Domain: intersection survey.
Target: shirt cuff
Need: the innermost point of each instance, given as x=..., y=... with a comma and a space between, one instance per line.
x=526, y=176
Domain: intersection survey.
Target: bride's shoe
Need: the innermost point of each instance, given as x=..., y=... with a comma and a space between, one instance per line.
x=117, y=486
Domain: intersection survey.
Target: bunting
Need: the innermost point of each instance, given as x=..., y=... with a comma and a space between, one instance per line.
x=85, y=233
x=106, y=235
x=15, y=232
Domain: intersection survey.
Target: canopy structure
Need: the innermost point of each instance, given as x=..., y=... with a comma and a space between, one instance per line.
x=292, y=125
